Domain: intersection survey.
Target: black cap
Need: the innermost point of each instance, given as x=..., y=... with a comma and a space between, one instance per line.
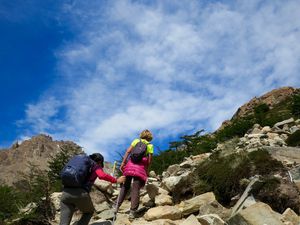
x=98, y=158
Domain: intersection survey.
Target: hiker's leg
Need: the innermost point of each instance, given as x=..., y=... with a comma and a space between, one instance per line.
x=67, y=209
x=85, y=205
x=135, y=193
x=123, y=192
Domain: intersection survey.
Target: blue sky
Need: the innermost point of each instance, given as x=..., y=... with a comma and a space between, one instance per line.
x=98, y=72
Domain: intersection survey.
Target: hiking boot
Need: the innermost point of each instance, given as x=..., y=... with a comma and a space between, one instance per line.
x=132, y=214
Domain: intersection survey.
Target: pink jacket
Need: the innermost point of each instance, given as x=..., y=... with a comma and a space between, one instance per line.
x=137, y=169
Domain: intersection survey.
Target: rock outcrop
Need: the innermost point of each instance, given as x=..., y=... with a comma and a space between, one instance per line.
x=36, y=151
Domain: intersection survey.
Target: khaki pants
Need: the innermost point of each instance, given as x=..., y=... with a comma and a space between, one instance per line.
x=72, y=199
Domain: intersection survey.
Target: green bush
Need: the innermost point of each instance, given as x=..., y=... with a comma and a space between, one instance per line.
x=294, y=139
x=10, y=200
x=192, y=145
x=296, y=105
x=263, y=164
x=238, y=128
x=222, y=175
x=166, y=158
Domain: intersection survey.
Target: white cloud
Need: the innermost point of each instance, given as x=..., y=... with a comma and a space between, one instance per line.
x=172, y=66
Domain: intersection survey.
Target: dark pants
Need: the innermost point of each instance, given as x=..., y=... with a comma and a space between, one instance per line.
x=72, y=199
x=136, y=186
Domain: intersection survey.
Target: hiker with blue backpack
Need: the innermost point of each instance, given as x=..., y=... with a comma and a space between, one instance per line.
x=135, y=169
x=78, y=176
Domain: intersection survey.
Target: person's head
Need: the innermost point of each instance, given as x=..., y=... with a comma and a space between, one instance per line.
x=147, y=135
x=98, y=158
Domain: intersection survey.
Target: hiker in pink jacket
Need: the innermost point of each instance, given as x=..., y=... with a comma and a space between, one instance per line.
x=136, y=171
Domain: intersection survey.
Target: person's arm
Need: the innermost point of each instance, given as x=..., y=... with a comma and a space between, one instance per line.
x=129, y=149
x=104, y=176
x=149, y=159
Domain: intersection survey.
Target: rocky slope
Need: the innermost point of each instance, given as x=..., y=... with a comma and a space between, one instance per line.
x=169, y=199
x=37, y=151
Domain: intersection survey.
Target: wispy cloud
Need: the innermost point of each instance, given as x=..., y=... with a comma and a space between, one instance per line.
x=172, y=66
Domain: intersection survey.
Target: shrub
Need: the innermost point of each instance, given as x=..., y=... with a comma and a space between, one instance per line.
x=263, y=164
x=238, y=128
x=296, y=105
x=166, y=158
x=10, y=200
x=222, y=175
x=260, y=112
x=294, y=139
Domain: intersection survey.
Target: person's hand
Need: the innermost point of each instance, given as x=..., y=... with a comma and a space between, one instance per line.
x=121, y=180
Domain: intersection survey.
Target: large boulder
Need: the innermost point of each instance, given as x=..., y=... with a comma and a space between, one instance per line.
x=163, y=212
x=191, y=220
x=155, y=222
x=257, y=214
x=289, y=216
x=210, y=219
x=179, y=185
x=163, y=199
x=193, y=205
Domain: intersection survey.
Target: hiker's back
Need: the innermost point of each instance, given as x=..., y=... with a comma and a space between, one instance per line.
x=77, y=171
x=139, y=151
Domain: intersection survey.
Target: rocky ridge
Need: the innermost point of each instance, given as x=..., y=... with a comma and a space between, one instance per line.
x=36, y=151
x=271, y=99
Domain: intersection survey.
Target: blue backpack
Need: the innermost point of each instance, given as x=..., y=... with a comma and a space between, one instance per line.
x=76, y=172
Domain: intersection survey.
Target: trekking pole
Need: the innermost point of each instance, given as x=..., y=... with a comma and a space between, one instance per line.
x=116, y=209
x=118, y=200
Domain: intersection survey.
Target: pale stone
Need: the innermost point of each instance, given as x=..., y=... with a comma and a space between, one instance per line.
x=187, y=163
x=175, y=183
x=192, y=205
x=28, y=208
x=266, y=129
x=106, y=214
x=293, y=129
x=152, y=174
x=162, y=191
x=173, y=170
x=122, y=219
x=284, y=136
x=147, y=202
x=290, y=216
x=55, y=199
x=291, y=120
x=272, y=135
x=101, y=207
x=191, y=220
x=125, y=207
x=214, y=207
x=257, y=214
x=104, y=185
x=152, y=191
x=210, y=219
x=163, y=200
x=163, y=212
x=255, y=131
x=257, y=135
x=257, y=126
x=155, y=222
